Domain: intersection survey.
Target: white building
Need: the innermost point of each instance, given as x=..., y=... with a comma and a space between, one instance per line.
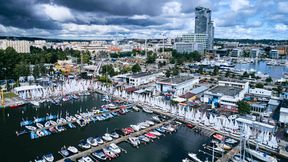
x=177, y=85
x=184, y=47
x=226, y=94
x=260, y=92
x=192, y=42
x=142, y=78
x=284, y=112
x=20, y=46
x=255, y=53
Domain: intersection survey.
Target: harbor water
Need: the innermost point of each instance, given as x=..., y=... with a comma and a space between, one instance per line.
x=275, y=72
x=170, y=148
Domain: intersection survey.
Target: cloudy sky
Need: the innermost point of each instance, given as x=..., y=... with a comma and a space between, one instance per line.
x=88, y=19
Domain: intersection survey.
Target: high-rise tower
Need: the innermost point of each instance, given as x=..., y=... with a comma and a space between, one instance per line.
x=204, y=24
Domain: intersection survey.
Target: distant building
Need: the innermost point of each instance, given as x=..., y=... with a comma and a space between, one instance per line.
x=20, y=46
x=204, y=25
x=260, y=92
x=191, y=42
x=254, y=53
x=236, y=52
x=274, y=54
x=177, y=85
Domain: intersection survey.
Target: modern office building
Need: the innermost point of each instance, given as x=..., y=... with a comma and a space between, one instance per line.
x=191, y=42
x=255, y=53
x=274, y=54
x=236, y=52
x=204, y=25
x=141, y=78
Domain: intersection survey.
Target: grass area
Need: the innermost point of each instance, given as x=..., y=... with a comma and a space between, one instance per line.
x=9, y=95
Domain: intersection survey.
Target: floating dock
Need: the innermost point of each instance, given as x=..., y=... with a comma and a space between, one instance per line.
x=119, y=140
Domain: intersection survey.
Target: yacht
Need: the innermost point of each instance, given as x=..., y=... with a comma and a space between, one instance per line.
x=72, y=149
x=92, y=141
x=156, y=118
x=147, y=110
x=134, y=141
x=49, y=157
x=230, y=141
x=156, y=133
x=194, y=157
x=114, y=148
x=115, y=135
x=99, y=140
x=135, y=127
x=150, y=135
x=47, y=124
x=107, y=137
x=64, y=151
x=109, y=153
x=261, y=155
x=144, y=139
x=31, y=128
x=83, y=144
x=99, y=155
x=39, y=125
x=150, y=122
x=85, y=159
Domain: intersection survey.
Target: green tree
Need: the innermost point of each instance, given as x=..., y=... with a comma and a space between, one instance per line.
x=227, y=74
x=259, y=85
x=136, y=68
x=168, y=73
x=269, y=79
x=243, y=107
x=21, y=69
x=151, y=57
x=216, y=70
x=36, y=71
x=245, y=74
x=108, y=69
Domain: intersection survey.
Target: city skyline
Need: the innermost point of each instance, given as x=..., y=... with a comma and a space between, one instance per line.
x=237, y=19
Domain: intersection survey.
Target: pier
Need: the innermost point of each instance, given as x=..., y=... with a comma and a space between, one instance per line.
x=229, y=154
x=208, y=130
x=119, y=140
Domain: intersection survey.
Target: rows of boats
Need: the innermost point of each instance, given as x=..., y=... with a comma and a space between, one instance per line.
x=46, y=126
x=112, y=151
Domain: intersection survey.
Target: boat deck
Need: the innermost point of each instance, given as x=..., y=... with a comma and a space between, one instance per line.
x=119, y=140
x=229, y=154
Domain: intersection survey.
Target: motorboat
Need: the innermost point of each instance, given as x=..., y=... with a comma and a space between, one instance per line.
x=219, y=137
x=31, y=128
x=144, y=139
x=63, y=151
x=115, y=135
x=109, y=153
x=134, y=141
x=224, y=146
x=156, y=118
x=70, y=125
x=40, y=160
x=156, y=133
x=185, y=160
x=150, y=135
x=107, y=137
x=135, y=108
x=261, y=155
x=53, y=123
x=230, y=141
x=39, y=125
x=99, y=140
x=150, y=122
x=48, y=157
x=114, y=148
x=194, y=157
x=135, y=127
x=147, y=110
x=72, y=149
x=83, y=144
x=47, y=124
x=60, y=128
x=40, y=133
x=189, y=125
x=161, y=130
x=99, y=154
x=85, y=159
x=92, y=141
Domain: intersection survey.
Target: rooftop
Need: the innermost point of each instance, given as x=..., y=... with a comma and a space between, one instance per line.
x=226, y=90
x=177, y=79
x=141, y=74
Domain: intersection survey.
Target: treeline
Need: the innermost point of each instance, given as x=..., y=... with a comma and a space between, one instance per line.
x=180, y=58
x=13, y=64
